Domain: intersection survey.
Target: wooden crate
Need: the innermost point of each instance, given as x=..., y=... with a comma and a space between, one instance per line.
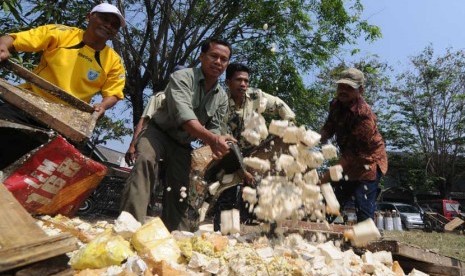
x=70, y=122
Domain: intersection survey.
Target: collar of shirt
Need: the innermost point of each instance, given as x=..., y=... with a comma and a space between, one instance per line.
x=357, y=107
x=198, y=97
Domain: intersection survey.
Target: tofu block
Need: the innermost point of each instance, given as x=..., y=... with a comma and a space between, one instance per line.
x=362, y=233
x=310, y=138
x=126, y=225
x=329, y=151
x=332, y=204
x=230, y=222
x=154, y=239
x=335, y=173
x=213, y=187
x=277, y=127
x=257, y=164
x=291, y=135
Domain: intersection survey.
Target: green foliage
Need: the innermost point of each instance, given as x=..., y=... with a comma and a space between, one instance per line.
x=163, y=34
x=426, y=114
x=109, y=129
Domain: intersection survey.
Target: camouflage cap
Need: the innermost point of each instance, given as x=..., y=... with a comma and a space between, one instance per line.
x=352, y=77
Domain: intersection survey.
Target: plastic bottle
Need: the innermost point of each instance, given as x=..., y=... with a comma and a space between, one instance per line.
x=388, y=222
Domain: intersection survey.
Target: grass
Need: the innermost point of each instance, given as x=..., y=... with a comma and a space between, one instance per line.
x=447, y=244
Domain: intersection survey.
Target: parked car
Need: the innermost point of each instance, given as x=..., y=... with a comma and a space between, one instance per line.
x=445, y=207
x=409, y=214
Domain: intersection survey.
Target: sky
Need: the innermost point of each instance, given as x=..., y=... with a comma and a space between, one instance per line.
x=407, y=27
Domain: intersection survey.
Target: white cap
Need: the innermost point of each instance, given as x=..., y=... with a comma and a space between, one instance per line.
x=108, y=8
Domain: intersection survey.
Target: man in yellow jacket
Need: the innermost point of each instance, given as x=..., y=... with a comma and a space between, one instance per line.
x=78, y=61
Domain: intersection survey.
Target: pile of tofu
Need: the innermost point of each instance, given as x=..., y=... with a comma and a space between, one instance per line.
x=125, y=247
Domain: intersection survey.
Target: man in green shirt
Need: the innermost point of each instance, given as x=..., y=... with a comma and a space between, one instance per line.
x=194, y=108
x=243, y=102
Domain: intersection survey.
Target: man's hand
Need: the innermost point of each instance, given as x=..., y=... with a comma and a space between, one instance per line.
x=6, y=43
x=249, y=180
x=99, y=110
x=220, y=145
x=130, y=156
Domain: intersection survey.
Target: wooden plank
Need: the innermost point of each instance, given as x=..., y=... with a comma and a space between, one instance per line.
x=48, y=86
x=14, y=219
x=414, y=253
x=22, y=241
x=54, y=266
x=432, y=269
x=315, y=226
x=72, y=123
x=451, y=225
x=33, y=252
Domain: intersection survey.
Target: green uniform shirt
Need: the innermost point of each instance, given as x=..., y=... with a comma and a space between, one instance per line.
x=239, y=114
x=186, y=99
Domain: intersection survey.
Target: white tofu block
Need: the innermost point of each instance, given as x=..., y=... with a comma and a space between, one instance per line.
x=230, y=222
x=203, y=211
x=314, y=159
x=126, y=225
x=213, y=187
x=312, y=177
x=383, y=257
x=291, y=135
x=251, y=136
x=136, y=265
x=362, y=233
x=277, y=127
x=330, y=252
x=329, y=151
x=416, y=272
x=335, y=173
x=262, y=106
x=263, y=131
x=249, y=195
x=332, y=205
x=265, y=253
x=284, y=162
x=310, y=138
x=293, y=150
x=368, y=262
x=198, y=260
x=257, y=163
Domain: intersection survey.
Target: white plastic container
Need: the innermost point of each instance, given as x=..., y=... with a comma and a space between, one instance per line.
x=388, y=222
x=397, y=221
x=380, y=220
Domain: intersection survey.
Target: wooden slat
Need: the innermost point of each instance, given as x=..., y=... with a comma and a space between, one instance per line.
x=48, y=86
x=415, y=253
x=54, y=266
x=22, y=241
x=432, y=269
x=451, y=225
x=72, y=123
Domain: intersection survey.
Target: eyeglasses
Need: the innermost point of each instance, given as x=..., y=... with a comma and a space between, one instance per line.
x=214, y=57
x=109, y=18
